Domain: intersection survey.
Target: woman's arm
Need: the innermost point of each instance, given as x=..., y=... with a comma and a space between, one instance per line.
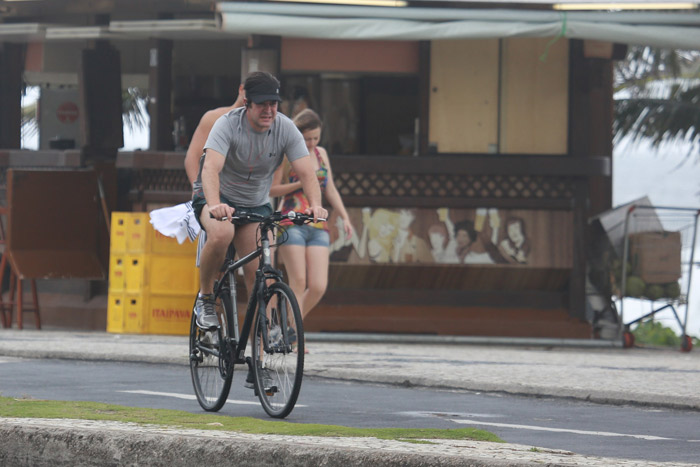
x=280, y=189
x=333, y=196
x=199, y=138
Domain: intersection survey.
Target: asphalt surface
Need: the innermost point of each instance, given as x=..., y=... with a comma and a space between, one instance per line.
x=594, y=371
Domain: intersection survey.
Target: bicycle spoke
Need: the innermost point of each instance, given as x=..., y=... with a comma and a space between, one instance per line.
x=210, y=364
x=279, y=364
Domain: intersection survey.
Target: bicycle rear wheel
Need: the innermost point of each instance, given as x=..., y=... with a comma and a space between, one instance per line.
x=278, y=366
x=210, y=363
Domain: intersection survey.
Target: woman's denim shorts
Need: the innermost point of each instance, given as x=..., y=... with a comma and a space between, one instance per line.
x=306, y=235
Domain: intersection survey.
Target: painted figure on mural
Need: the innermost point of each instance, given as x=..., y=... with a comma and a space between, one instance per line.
x=343, y=244
x=515, y=247
x=379, y=229
x=442, y=239
x=397, y=237
x=477, y=241
x=409, y=247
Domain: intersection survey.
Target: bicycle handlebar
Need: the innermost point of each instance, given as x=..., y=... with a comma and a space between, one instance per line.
x=298, y=218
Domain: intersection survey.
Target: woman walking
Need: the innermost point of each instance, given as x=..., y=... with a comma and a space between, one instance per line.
x=306, y=252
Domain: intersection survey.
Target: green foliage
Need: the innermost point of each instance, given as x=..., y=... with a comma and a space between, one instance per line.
x=654, y=291
x=654, y=333
x=657, y=96
x=672, y=290
x=32, y=408
x=134, y=110
x=635, y=286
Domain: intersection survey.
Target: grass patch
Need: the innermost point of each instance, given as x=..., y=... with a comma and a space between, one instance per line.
x=33, y=408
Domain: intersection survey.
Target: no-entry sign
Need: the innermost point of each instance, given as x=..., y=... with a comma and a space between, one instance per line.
x=67, y=112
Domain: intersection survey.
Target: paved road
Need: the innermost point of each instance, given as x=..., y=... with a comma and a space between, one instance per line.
x=586, y=428
x=591, y=371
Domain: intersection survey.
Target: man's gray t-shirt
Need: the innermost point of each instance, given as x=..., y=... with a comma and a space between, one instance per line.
x=251, y=156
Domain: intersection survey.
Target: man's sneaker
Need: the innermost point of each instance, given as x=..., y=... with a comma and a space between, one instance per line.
x=266, y=376
x=206, y=314
x=275, y=335
x=211, y=338
x=291, y=335
x=250, y=379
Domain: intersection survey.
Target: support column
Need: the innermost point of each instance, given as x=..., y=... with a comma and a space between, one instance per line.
x=99, y=82
x=591, y=113
x=11, y=68
x=160, y=92
x=100, y=85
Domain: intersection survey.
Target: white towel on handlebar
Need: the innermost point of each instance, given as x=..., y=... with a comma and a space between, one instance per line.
x=176, y=221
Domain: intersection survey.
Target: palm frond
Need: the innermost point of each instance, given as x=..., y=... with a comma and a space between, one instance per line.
x=657, y=97
x=134, y=112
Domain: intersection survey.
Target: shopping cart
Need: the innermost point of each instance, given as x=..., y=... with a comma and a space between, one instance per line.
x=658, y=252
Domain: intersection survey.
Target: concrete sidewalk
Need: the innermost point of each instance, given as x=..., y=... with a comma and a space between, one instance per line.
x=600, y=373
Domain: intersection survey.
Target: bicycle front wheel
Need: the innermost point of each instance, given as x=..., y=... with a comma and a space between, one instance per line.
x=278, y=351
x=210, y=359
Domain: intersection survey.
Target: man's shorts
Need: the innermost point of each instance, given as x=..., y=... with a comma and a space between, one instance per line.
x=198, y=202
x=305, y=235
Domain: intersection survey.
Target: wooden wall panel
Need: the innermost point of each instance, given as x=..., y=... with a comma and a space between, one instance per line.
x=305, y=55
x=463, y=320
x=534, y=97
x=464, y=95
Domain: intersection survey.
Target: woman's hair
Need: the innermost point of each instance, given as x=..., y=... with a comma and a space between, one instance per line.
x=306, y=120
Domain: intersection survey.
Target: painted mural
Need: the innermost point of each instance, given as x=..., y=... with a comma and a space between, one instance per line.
x=452, y=236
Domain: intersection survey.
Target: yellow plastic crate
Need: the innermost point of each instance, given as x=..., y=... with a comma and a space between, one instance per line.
x=135, y=273
x=132, y=232
x=117, y=243
x=160, y=274
x=115, y=312
x=117, y=272
x=138, y=232
x=135, y=320
x=160, y=244
x=149, y=313
x=172, y=275
x=169, y=314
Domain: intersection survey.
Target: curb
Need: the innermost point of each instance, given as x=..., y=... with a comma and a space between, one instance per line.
x=58, y=443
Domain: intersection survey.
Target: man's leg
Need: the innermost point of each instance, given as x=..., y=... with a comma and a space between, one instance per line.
x=245, y=242
x=219, y=236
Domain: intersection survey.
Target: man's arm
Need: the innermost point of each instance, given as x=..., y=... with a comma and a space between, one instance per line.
x=309, y=183
x=213, y=164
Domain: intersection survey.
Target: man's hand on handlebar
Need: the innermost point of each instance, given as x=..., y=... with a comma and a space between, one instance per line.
x=221, y=211
x=317, y=212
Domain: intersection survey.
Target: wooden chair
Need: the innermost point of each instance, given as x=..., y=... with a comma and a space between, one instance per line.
x=15, y=286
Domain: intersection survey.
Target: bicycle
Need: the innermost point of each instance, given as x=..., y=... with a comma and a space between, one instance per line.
x=277, y=356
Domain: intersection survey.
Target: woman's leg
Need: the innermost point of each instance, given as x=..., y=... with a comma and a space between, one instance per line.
x=317, y=277
x=294, y=260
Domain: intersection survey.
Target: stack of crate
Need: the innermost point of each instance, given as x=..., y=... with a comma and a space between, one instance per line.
x=152, y=278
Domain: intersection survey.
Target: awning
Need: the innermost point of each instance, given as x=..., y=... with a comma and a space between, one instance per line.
x=189, y=29
x=658, y=28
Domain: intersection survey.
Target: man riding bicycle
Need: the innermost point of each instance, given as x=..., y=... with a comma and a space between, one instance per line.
x=243, y=149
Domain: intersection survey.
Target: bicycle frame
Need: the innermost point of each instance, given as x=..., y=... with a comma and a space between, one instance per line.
x=238, y=343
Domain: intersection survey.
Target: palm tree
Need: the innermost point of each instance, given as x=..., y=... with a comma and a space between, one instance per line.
x=657, y=97
x=134, y=112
